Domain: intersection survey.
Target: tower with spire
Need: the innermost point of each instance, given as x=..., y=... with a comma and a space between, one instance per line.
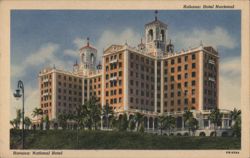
x=156, y=36
x=88, y=58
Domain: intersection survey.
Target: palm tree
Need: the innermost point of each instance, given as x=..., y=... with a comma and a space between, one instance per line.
x=188, y=116
x=170, y=123
x=47, y=122
x=235, y=114
x=139, y=119
x=94, y=111
x=62, y=119
x=12, y=123
x=108, y=112
x=236, y=124
x=18, y=118
x=36, y=113
x=194, y=125
x=27, y=122
x=124, y=122
x=16, y=121
x=215, y=118
x=131, y=122
x=161, y=123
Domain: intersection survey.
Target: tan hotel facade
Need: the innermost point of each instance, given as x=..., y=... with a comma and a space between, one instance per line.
x=151, y=78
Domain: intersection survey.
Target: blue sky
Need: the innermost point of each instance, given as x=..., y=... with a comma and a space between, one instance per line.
x=43, y=38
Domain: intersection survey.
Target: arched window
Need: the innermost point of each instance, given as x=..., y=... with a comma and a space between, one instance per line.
x=162, y=35
x=150, y=35
x=92, y=58
x=82, y=58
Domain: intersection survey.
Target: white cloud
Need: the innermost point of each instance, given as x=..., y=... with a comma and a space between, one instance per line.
x=71, y=53
x=79, y=42
x=230, y=83
x=44, y=54
x=216, y=37
x=107, y=38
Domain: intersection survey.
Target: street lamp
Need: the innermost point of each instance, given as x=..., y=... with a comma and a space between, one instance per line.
x=18, y=95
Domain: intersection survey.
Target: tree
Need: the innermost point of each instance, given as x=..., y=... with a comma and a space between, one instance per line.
x=194, y=125
x=62, y=119
x=131, y=123
x=47, y=122
x=170, y=123
x=139, y=119
x=161, y=123
x=235, y=114
x=108, y=112
x=12, y=123
x=27, y=122
x=188, y=116
x=16, y=121
x=94, y=111
x=88, y=114
x=236, y=121
x=124, y=122
x=36, y=113
x=215, y=118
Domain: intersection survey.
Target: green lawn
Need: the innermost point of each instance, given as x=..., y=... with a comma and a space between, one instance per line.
x=67, y=139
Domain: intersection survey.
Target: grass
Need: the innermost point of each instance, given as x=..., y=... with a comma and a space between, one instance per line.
x=67, y=139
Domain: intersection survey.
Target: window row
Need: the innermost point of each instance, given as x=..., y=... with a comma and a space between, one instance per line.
x=112, y=57
x=69, y=85
x=113, y=92
x=113, y=83
x=69, y=78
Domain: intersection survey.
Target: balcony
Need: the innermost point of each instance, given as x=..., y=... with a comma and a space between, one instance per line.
x=46, y=80
x=211, y=62
x=113, y=78
x=113, y=61
x=211, y=79
x=45, y=94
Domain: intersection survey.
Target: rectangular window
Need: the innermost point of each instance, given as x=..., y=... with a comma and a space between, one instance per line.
x=120, y=91
x=193, y=56
x=193, y=91
x=193, y=65
x=193, y=83
x=186, y=75
x=172, y=61
x=193, y=74
x=179, y=93
x=172, y=70
x=131, y=100
x=179, y=60
x=186, y=67
x=193, y=100
x=186, y=84
x=186, y=58
x=179, y=77
x=172, y=78
x=179, y=68
x=120, y=73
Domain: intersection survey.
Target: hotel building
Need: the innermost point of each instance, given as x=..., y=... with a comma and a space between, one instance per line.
x=151, y=78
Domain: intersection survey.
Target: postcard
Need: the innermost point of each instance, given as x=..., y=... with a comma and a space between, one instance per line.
x=124, y=79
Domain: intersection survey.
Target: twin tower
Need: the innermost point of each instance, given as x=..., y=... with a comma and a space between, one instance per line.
x=156, y=44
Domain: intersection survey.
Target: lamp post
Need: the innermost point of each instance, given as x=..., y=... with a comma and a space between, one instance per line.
x=18, y=95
